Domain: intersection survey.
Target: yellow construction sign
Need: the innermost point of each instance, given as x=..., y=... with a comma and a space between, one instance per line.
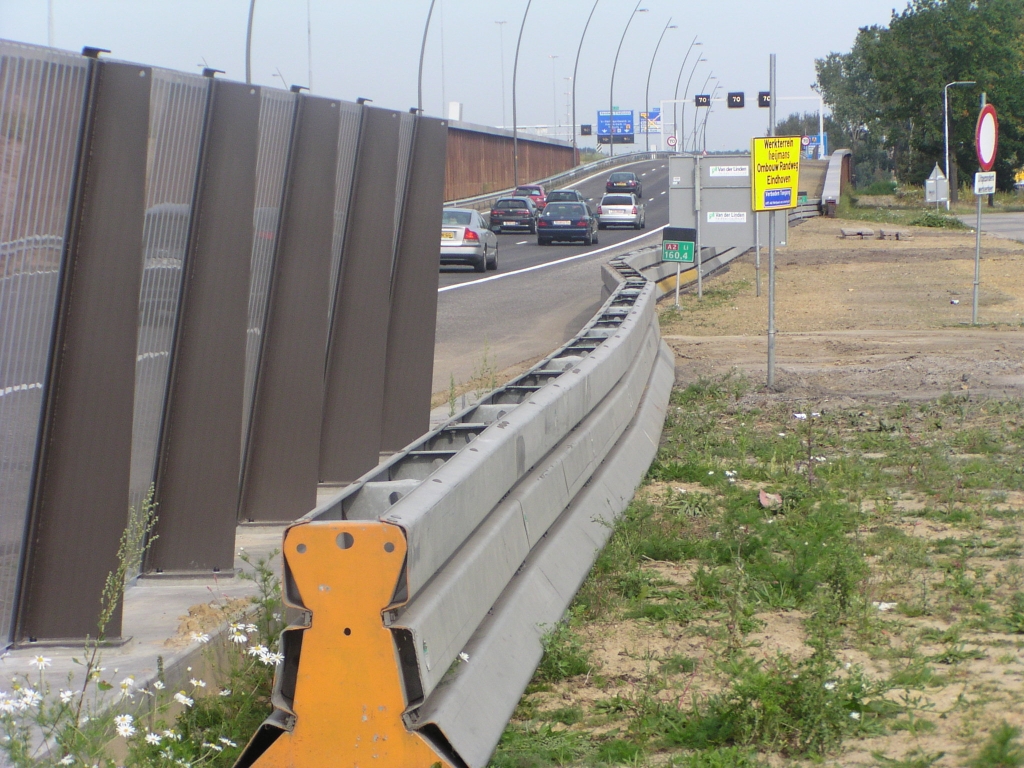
x=776, y=161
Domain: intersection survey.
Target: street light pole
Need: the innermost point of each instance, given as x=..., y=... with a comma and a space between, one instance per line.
x=575, y=67
x=611, y=88
x=704, y=125
x=647, y=91
x=248, y=44
x=693, y=135
x=945, y=125
x=423, y=48
x=515, y=119
x=501, y=43
x=675, y=94
x=554, y=91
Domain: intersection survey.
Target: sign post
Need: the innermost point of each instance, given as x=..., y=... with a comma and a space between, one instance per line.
x=776, y=165
x=677, y=244
x=986, y=140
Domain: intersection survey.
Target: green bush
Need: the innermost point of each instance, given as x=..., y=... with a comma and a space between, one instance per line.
x=933, y=219
x=878, y=188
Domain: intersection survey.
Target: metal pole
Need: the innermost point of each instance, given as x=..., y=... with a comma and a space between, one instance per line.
x=945, y=135
x=977, y=247
x=696, y=198
x=771, y=240
x=611, y=87
x=515, y=118
x=575, y=67
x=678, y=270
x=501, y=43
x=248, y=43
x=554, y=92
x=675, y=94
x=423, y=48
x=757, y=254
x=686, y=93
x=945, y=126
x=821, y=127
x=647, y=90
x=309, y=45
x=693, y=137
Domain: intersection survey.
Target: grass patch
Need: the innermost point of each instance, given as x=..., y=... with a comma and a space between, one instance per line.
x=888, y=565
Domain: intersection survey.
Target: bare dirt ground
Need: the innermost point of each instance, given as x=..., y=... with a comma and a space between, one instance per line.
x=863, y=317
x=869, y=333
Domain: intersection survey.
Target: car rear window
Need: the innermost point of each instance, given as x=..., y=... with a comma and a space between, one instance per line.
x=617, y=200
x=527, y=190
x=554, y=197
x=621, y=177
x=456, y=218
x=507, y=205
x=563, y=209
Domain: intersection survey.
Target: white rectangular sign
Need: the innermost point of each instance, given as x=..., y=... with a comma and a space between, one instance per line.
x=985, y=183
x=730, y=170
x=727, y=217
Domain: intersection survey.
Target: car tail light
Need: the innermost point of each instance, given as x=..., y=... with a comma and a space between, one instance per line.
x=542, y=222
x=495, y=213
x=599, y=210
x=471, y=235
x=580, y=223
x=634, y=210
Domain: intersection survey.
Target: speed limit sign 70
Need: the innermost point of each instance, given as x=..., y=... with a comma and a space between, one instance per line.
x=671, y=141
x=986, y=137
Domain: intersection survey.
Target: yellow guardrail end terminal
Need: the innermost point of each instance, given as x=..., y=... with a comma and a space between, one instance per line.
x=348, y=691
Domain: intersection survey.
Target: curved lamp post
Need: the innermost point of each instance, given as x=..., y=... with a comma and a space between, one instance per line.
x=575, y=67
x=693, y=136
x=611, y=88
x=704, y=124
x=248, y=44
x=675, y=93
x=515, y=121
x=423, y=48
x=501, y=43
x=945, y=125
x=647, y=91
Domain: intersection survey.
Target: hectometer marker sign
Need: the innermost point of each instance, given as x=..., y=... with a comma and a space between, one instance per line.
x=776, y=162
x=678, y=244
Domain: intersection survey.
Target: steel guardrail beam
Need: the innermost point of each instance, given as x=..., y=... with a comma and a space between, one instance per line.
x=455, y=519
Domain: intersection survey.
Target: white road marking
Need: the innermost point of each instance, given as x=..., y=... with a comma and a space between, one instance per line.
x=643, y=174
x=601, y=173
x=522, y=242
x=663, y=192
x=583, y=255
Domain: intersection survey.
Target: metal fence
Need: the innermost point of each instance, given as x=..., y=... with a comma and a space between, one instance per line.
x=181, y=261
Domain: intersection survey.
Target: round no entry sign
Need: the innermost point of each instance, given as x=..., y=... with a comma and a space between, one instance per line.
x=986, y=137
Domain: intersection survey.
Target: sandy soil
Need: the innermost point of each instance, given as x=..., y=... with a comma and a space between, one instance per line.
x=863, y=317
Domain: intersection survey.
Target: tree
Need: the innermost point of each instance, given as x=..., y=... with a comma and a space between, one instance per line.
x=887, y=91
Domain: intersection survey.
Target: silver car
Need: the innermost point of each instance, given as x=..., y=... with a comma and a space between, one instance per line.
x=465, y=239
x=621, y=210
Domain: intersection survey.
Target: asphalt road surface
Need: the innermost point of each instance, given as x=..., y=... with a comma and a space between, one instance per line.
x=541, y=295
x=1009, y=225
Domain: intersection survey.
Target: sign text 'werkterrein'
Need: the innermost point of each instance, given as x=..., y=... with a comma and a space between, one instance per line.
x=776, y=162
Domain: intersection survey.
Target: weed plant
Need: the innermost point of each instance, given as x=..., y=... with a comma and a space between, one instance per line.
x=94, y=719
x=894, y=538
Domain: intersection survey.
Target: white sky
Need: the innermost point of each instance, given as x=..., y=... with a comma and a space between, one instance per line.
x=371, y=48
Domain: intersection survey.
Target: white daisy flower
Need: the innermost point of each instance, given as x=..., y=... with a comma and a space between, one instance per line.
x=855, y=715
x=830, y=686
x=198, y=683
x=181, y=698
x=40, y=662
x=159, y=685
x=227, y=742
x=66, y=696
x=66, y=760
x=153, y=738
x=200, y=637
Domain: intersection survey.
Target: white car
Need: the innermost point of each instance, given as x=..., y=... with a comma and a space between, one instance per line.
x=465, y=239
x=620, y=210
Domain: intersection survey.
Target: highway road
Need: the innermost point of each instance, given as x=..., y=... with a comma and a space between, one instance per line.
x=540, y=295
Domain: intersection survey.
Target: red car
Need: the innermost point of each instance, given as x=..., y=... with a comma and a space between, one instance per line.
x=535, y=192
